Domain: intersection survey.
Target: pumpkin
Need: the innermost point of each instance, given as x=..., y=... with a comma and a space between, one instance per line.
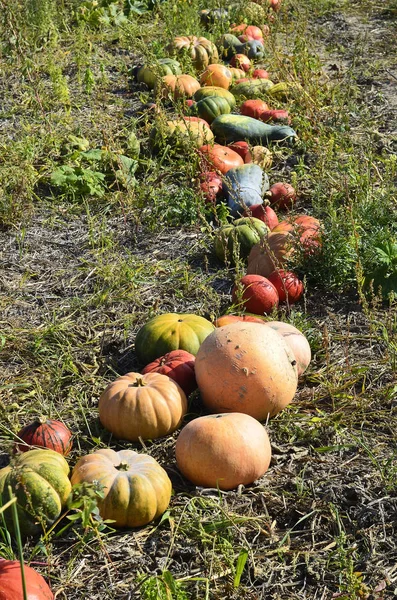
x=236, y=239
x=45, y=433
x=252, y=88
x=150, y=74
x=270, y=254
x=39, y=481
x=247, y=368
x=244, y=186
x=264, y=213
x=307, y=232
x=180, y=133
x=241, y=61
x=138, y=406
x=236, y=74
x=275, y=116
x=243, y=149
x=257, y=293
x=288, y=285
x=211, y=186
x=179, y=86
x=282, y=195
x=296, y=341
x=11, y=582
x=223, y=451
x=171, y=331
x=213, y=90
x=253, y=108
x=179, y=366
x=228, y=319
x=221, y=158
x=237, y=29
x=260, y=74
x=200, y=50
x=254, y=33
x=262, y=157
x=216, y=75
x=136, y=489
x=211, y=107
x=235, y=128
x=229, y=45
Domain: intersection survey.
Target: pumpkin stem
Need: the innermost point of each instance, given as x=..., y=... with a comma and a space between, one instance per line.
x=138, y=383
x=122, y=466
x=42, y=420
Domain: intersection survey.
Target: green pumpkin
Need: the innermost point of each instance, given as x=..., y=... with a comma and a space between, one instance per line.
x=234, y=128
x=164, y=66
x=236, y=239
x=213, y=90
x=171, y=331
x=211, y=107
x=252, y=89
x=39, y=480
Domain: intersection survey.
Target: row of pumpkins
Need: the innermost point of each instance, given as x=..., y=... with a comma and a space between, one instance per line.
x=246, y=369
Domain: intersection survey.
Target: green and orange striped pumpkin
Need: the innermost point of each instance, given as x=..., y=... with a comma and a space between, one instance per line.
x=45, y=433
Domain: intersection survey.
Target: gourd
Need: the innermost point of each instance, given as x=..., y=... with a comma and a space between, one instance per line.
x=211, y=107
x=252, y=88
x=180, y=133
x=45, y=433
x=223, y=451
x=248, y=368
x=136, y=489
x=39, y=480
x=233, y=128
x=11, y=582
x=145, y=406
x=244, y=186
x=229, y=45
x=236, y=239
x=213, y=90
x=171, y=331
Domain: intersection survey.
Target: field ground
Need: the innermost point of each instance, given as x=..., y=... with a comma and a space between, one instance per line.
x=81, y=272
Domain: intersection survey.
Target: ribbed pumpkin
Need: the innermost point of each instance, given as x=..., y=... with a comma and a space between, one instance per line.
x=200, y=50
x=296, y=341
x=171, y=331
x=142, y=406
x=179, y=366
x=45, y=433
x=11, y=582
x=236, y=73
x=223, y=450
x=213, y=90
x=248, y=368
x=216, y=75
x=271, y=254
x=136, y=488
x=288, y=285
x=253, y=108
x=179, y=86
x=39, y=480
x=211, y=107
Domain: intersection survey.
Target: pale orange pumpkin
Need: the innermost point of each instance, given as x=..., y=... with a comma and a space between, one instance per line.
x=247, y=368
x=142, y=406
x=296, y=341
x=136, y=489
x=223, y=450
x=217, y=75
x=271, y=253
x=179, y=86
x=201, y=51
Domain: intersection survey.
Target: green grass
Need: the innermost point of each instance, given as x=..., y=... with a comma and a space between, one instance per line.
x=84, y=271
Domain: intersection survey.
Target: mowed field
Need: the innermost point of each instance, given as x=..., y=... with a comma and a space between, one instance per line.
x=93, y=245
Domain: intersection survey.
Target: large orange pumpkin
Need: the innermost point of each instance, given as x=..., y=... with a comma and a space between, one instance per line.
x=271, y=253
x=179, y=86
x=142, y=406
x=136, y=489
x=296, y=341
x=248, y=368
x=223, y=450
x=221, y=157
x=217, y=75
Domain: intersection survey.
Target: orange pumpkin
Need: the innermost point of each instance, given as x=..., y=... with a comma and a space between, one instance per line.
x=248, y=368
x=253, y=108
x=271, y=253
x=258, y=294
x=142, y=406
x=288, y=285
x=254, y=33
x=296, y=341
x=223, y=451
x=217, y=75
x=179, y=86
x=243, y=149
x=221, y=157
x=228, y=319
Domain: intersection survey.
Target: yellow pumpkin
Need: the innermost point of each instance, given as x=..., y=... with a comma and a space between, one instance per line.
x=136, y=489
x=142, y=406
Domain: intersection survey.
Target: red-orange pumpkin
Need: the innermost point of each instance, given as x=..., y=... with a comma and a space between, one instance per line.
x=211, y=186
x=263, y=213
x=253, y=108
x=276, y=116
x=243, y=149
x=217, y=75
x=11, y=582
x=223, y=451
x=288, y=285
x=45, y=433
x=248, y=368
x=257, y=293
x=177, y=364
x=254, y=33
x=296, y=341
x=282, y=195
x=241, y=61
x=260, y=74
x=221, y=157
x=228, y=319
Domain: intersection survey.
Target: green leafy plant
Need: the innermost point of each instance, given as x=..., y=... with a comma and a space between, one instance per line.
x=383, y=275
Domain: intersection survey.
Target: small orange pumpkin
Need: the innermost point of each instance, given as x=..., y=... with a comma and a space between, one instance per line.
x=217, y=75
x=221, y=157
x=179, y=86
